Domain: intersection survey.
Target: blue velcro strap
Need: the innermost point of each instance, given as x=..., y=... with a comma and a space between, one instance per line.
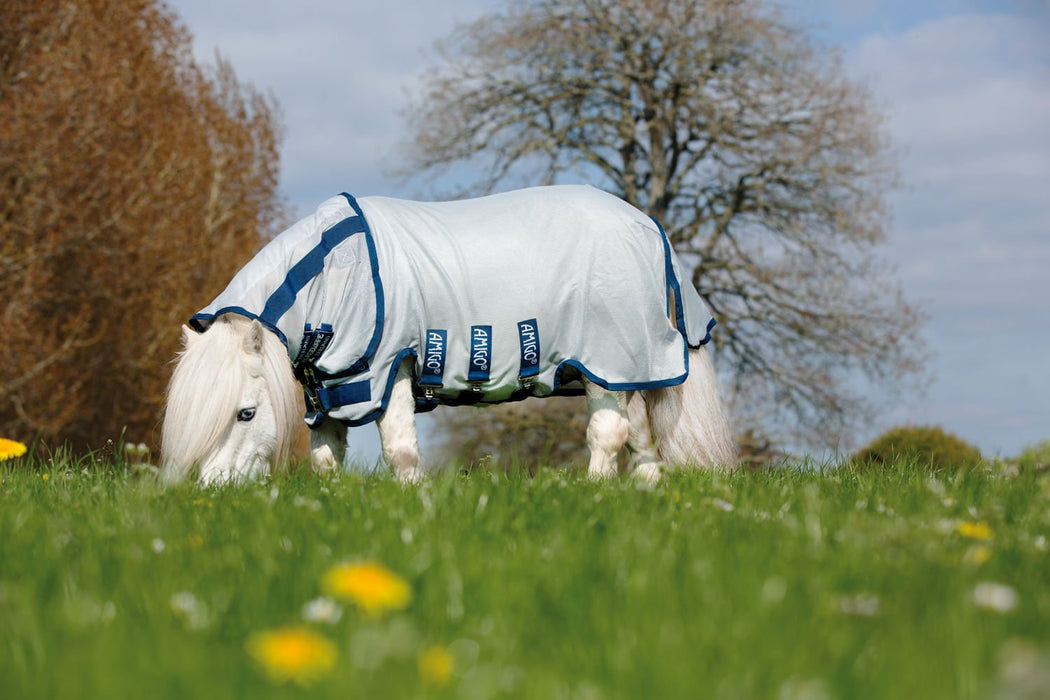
x=480, y=353
x=529, y=339
x=344, y=394
x=434, y=357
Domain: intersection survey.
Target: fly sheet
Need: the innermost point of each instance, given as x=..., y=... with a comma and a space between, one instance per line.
x=498, y=298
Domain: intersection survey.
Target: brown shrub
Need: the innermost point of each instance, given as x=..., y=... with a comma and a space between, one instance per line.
x=133, y=184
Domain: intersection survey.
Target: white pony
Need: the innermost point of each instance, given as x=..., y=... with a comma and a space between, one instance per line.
x=383, y=308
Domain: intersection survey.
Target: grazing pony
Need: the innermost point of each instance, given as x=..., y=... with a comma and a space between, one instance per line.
x=381, y=308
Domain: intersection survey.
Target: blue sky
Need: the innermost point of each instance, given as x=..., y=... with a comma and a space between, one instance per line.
x=965, y=86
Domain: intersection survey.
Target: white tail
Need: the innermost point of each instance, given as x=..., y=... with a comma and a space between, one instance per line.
x=688, y=422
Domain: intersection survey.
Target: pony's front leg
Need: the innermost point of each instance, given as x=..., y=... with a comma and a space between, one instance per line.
x=607, y=429
x=397, y=428
x=327, y=446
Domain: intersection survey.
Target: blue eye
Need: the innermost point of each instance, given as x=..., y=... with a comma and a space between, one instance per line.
x=246, y=414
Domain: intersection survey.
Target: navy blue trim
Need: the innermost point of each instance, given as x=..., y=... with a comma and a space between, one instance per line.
x=344, y=394
x=386, y=392
x=308, y=267
x=617, y=386
x=672, y=284
x=707, y=338
x=200, y=322
x=675, y=290
x=377, y=283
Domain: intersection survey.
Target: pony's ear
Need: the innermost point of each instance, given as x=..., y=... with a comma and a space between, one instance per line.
x=189, y=336
x=253, y=339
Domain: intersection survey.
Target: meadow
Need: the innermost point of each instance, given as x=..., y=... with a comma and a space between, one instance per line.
x=793, y=583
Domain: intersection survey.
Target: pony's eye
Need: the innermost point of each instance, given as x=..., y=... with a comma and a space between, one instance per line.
x=246, y=414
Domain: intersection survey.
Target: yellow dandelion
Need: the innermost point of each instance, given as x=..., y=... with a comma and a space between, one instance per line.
x=9, y=449
x=293, y=654
x=435, y=665
x=975, y=531
x=373, y=587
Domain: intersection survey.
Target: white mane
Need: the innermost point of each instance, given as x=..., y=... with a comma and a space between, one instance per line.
x=206, y=387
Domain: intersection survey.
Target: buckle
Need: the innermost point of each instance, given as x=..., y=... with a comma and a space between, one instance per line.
x=307, y=376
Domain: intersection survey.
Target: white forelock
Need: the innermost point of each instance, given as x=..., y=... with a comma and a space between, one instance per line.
x=205, y=389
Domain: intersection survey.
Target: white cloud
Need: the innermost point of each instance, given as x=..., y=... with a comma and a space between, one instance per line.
x=973, y=83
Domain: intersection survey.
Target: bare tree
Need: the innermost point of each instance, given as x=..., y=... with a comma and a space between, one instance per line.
x=133, y=183
x=767, y=166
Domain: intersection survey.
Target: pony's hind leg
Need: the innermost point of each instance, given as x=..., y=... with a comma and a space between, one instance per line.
x=327, y=446
x=607, y=429
x=397, y=428
x=645, y=462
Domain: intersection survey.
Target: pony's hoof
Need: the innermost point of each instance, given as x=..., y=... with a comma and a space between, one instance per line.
x=601, y=474
x=411, y=476
x=649, y=472
x=323, y=460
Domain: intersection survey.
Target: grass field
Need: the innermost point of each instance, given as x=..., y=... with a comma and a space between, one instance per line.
x=786, y=584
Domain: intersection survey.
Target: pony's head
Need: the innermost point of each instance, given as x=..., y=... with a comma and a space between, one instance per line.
x=232, y=406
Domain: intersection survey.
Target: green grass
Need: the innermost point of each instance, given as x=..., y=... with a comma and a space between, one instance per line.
x=781, y=584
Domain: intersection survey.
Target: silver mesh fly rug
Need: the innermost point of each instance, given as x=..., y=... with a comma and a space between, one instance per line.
x=494, y=299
